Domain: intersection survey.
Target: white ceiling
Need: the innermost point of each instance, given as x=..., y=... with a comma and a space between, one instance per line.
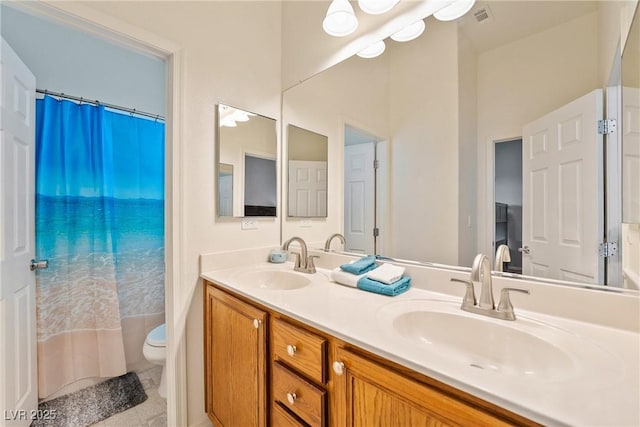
x=513, y=20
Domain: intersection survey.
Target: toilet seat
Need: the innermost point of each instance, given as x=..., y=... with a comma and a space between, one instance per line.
x=157, y=337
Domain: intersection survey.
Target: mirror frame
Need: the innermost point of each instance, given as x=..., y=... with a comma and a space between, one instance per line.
x=217, y=163
x=606, y=288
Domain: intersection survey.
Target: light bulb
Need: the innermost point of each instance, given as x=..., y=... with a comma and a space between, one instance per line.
x=377, y=7
x=409, y=32
x=455, y=10
x=372, y=51
x=340, y=20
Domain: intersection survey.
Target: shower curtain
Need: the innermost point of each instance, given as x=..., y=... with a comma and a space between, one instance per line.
x=100, y=223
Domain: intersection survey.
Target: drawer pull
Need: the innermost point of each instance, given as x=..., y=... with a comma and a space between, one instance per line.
x=338, y=367
x=291, y=398
x=291, y=350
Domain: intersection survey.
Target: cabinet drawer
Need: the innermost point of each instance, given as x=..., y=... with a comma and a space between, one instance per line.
x=300, y=349
x=281, y=418
x=303, y=398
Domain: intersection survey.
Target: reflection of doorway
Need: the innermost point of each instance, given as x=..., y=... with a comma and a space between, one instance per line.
x=225, y=191
x=363, y=182
x=508, y=198
x=259, y=185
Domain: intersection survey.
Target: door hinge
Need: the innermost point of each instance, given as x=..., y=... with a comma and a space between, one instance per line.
x=608, y=249
x=607, y=126
x=376, y=231
x=376, y=164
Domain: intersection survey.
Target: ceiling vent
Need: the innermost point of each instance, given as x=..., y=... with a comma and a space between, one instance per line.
x=482, y=14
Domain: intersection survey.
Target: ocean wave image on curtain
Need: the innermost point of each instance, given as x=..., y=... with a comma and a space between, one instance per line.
x=100, y=222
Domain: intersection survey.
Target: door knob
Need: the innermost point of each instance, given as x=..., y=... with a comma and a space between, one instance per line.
x=291, y=398
x=39, y=265
x=524, y=250
x=338, y=367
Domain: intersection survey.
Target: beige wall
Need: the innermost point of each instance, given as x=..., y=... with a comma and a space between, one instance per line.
x=468, y=152
x=424, y=146
x=231, y=56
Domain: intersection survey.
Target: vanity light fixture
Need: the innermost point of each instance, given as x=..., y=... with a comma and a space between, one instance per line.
x=455, y=10
x=340, y=20
x=377, y=7
x=373, y=50
x=409, y=32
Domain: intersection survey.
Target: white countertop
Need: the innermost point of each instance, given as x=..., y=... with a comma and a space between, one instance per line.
x=601, y=386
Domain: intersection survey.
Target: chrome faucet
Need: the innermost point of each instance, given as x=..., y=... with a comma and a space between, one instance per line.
x=502, y=255
x=481, y=272
x=327, y=244
x=304, y=263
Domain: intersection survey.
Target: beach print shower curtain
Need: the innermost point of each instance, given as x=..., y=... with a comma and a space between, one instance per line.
x=100, y=223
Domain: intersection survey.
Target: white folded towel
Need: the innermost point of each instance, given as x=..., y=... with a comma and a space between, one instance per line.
x=345, y=278
x=386, y=273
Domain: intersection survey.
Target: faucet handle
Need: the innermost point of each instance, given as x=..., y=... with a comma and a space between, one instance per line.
x=505, y=305
x=469, y=299
x=298, y=259
x=311, y=267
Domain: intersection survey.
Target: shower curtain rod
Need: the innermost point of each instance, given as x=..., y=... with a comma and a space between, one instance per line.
x=96, y=102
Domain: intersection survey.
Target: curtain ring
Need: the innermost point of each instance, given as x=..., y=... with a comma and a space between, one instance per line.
x=81, y=99
x=157, y=117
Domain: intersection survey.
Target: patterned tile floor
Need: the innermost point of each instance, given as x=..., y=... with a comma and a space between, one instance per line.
x=150, y=413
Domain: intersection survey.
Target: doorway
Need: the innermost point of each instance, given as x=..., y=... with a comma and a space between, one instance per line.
x=508, y=201
x=122, y=37
x=364, y=191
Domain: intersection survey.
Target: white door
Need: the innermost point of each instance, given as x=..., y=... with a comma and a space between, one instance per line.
x=307, y=188
x=18, y=383
x=359, y=202
x=562, y=193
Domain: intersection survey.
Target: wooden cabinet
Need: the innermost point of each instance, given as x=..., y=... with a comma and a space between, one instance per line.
x=263, y=368
x=235, y=361
x=299, y=371
x=367, y=393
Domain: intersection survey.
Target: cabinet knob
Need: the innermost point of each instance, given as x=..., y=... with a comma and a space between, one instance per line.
x=257, y=323
x=291, y=350
x=291, y=398
x=338, y=367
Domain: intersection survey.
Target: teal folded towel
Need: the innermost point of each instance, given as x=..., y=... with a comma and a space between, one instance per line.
x=361, y=266
x=396, y=288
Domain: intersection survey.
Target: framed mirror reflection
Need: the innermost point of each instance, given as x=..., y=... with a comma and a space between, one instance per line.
x=307, y=159
x=445, y=102
x=246, y=167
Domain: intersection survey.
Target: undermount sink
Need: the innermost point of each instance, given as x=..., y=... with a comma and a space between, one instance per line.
x=525, y=348
x=273, y=279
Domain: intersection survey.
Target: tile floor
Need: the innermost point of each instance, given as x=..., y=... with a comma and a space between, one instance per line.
x=150, y=413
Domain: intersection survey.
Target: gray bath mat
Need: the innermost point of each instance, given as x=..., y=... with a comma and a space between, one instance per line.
x=92, y=404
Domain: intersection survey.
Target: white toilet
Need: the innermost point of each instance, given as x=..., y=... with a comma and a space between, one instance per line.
x=154, y=350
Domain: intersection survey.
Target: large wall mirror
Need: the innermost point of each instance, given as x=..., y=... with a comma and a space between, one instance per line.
x=630, y=130
x=247, y=163
x=306, y=173
x=468, y=158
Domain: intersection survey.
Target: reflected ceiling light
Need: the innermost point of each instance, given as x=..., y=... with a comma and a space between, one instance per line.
x=340, y=20
x=455, y=10
x=372, y=51
x=409, y=32
x=377, y=7
x=228, y=122
x=241, y=116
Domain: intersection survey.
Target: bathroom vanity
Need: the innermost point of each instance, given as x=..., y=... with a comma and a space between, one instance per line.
x=295, y=349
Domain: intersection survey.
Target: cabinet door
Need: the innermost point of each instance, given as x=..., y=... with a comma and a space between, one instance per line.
x=369, y=394
x=235, y=361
